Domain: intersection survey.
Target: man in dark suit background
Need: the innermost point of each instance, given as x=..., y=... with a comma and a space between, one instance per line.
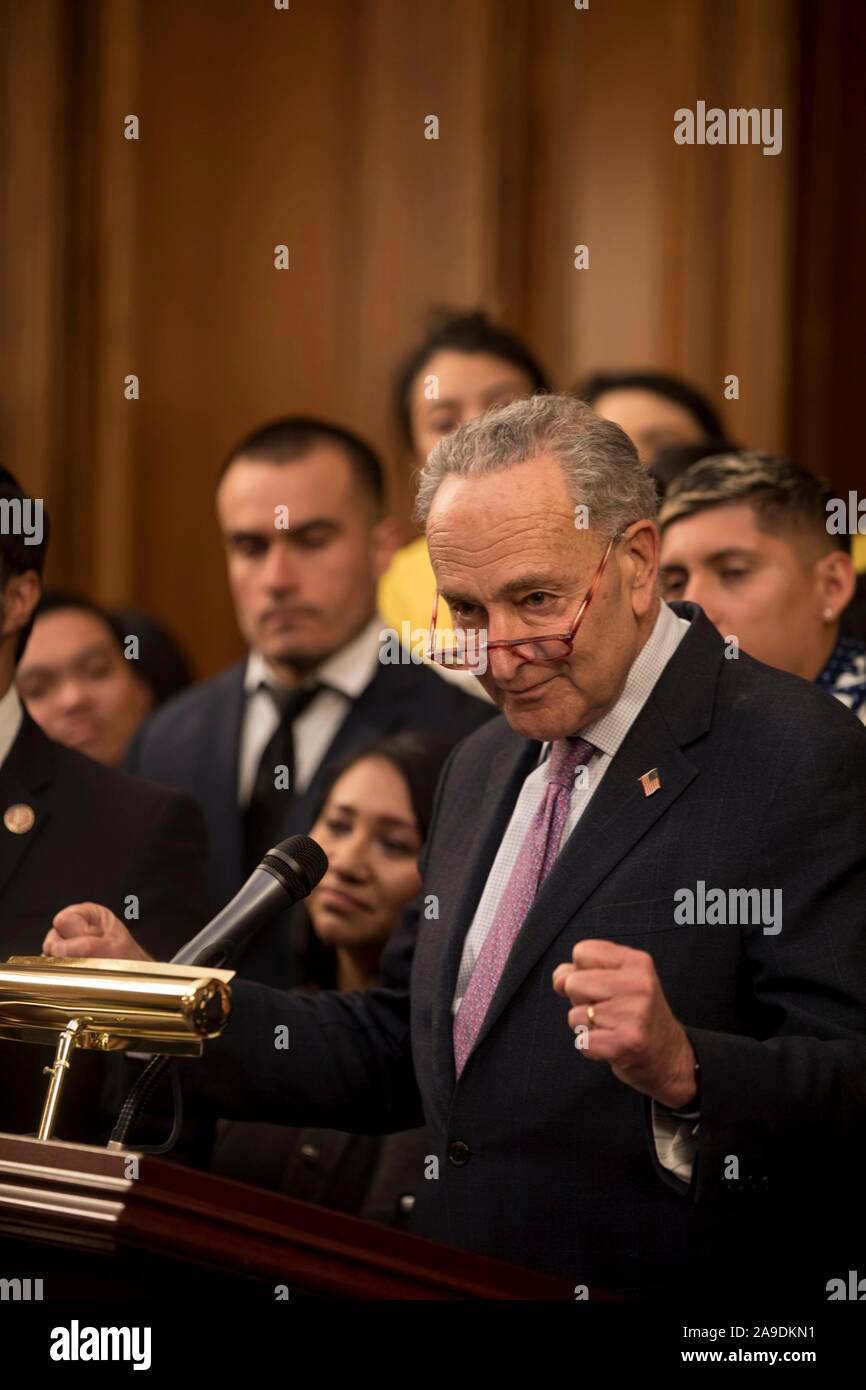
x=667, y=837
x=300, y=505
x=74, y=830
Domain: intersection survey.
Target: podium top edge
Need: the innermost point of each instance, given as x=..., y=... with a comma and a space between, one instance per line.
x=156, y=970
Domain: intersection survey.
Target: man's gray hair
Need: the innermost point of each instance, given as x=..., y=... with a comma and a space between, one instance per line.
x=598, y=459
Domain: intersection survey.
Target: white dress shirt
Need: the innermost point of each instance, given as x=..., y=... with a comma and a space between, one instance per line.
x=346, y=674
x=10, y=721
x=674, y=1139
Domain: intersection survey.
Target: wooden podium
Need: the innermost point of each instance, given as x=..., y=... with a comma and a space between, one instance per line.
x=121, y=1224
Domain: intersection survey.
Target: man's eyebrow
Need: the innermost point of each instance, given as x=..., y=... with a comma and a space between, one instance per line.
x=95, y=649
x=730, y=552
x=524, y=583
x=242, y=533
x=733, y=552
x=316, y=522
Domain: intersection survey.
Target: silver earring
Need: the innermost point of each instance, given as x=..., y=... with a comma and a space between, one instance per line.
x=828, y=615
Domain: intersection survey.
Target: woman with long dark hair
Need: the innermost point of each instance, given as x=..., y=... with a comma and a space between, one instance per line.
x=372, y=824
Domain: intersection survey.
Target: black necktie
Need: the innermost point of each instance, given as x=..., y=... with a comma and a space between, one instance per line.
x=273, y=790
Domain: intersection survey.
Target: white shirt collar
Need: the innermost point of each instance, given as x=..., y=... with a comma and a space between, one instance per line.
x=608, y=732
x=11, y=715
x=349, y=670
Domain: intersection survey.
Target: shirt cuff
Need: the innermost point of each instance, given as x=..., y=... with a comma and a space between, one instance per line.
x=676, y=1140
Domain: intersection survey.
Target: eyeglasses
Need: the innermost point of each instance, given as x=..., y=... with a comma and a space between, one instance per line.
x=470, y=651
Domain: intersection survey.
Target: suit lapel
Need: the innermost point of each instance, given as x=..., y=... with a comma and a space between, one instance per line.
x=359, y=730
x=376, y=712
x=25, y=779
x=218, y=780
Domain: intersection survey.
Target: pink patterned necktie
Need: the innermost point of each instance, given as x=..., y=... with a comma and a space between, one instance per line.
x=535, y=859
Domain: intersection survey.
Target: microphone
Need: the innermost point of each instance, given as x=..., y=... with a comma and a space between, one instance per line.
x=288, y=873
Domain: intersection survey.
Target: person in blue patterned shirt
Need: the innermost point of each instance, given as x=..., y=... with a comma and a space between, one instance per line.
x=745, y=535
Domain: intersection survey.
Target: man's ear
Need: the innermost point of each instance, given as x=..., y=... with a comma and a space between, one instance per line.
x=385, y=541
x=21, y=593
x=836, y=580
x=640, y=547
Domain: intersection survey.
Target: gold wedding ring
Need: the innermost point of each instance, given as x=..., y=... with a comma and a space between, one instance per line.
x=590, y=1015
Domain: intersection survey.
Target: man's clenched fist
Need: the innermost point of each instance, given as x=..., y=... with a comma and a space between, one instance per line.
x=633, y=1028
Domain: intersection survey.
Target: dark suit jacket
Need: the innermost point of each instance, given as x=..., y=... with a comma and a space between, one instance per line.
x=193, y=741
x=546, y=1159
x=99, y=835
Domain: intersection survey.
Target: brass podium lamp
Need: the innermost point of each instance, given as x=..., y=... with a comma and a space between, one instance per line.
x=144, y=1006
x=109, y=1006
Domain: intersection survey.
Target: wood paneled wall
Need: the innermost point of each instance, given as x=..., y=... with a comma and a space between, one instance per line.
x=306, y=127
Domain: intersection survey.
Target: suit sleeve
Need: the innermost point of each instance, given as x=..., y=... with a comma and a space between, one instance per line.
x=797, y=1087
x=342, y=1061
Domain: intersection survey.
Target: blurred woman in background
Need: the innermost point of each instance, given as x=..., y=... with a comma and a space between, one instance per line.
x=372, y=825
x=464, y=365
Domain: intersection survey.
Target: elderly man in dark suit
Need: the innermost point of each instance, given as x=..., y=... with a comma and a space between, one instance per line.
x=301, y=509
x=636, y=1023
x=73, y=830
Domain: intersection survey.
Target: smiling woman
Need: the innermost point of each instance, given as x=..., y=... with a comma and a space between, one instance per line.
x=372, y=824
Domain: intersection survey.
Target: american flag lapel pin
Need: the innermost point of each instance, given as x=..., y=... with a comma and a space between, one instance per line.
x=650, y=781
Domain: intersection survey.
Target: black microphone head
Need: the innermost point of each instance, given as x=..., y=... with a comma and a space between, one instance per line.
x=299, y=863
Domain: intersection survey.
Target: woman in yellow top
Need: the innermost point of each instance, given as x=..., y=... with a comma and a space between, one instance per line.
x=463, y=366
